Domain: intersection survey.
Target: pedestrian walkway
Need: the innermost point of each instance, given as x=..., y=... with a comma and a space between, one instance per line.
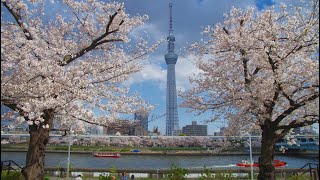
x=72, y=178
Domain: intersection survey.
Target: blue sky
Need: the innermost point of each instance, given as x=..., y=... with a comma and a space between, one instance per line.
x=189, y=16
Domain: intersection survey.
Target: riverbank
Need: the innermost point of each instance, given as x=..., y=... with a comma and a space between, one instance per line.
x=240, y=173
x=173, y=153
x=149, y=165
x=243, y=174
x=168, y=151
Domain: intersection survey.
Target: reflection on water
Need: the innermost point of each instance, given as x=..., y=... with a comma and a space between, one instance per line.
x=152, y=161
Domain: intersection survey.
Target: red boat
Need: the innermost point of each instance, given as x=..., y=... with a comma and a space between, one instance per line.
x=107, y=154
x=276, y=163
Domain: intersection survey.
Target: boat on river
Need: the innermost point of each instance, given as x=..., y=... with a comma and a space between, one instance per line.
x=276, y=163
x=107, y=154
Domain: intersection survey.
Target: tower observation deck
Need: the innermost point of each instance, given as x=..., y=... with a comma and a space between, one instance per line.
x=172, y=120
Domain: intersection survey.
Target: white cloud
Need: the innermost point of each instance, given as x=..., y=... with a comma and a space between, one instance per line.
x=153, y=72
x=151, y=31
x=150, y=72
x=185, y=68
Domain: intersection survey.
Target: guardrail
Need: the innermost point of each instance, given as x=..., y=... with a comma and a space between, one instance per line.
x=313, y=170
x=160, y=173
x=9, y=166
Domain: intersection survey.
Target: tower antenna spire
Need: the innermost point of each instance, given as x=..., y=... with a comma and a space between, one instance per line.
x=170, y=19
x=172, y=119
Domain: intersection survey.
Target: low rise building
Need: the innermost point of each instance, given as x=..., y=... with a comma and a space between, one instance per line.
x=125, y=128
x=195, y=130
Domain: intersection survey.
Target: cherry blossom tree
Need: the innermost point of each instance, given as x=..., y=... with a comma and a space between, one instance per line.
x=260, y=68
x=58, y=69
x=136, y=141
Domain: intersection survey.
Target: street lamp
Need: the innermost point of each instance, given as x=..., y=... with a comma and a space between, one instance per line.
x=69, y=147
x=251, y=162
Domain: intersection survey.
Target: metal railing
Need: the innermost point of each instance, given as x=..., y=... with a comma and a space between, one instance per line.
x=312, y=168
x=241, y=173
x=9, y=166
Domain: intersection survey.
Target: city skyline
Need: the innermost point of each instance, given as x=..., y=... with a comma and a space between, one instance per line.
x=191, y=16
x=85, y=76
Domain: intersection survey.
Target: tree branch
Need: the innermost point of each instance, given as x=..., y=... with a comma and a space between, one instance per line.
x=226, y=31
x=291, y=101
x=88, y=121
x=297, y=48
x=96, y=42
x=305, y=87
x=18, y=19
x=10, y=105
x=295, y=124
x=245, y=67
x=293, y=108
x=271, y=62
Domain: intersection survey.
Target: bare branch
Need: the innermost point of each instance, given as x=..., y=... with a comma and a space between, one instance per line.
x=18, y=19
x=96, y=42
x=305, y=87
x=89, y=122
x=225, y=30
x=295, y=124
x=293, y=108
x=291, y=101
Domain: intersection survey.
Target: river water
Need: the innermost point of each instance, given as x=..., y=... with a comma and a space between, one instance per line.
x=153, y=161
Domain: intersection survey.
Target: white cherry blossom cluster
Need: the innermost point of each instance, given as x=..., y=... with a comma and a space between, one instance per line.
x=72, y=64
x=258, y=66
x=160, y=141
x=283, y=149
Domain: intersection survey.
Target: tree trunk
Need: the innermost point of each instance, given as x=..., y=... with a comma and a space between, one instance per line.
x=39, y=137
x=266, y=168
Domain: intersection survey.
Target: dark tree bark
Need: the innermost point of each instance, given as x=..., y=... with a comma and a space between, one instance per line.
x=269, y=139
x=39, y=137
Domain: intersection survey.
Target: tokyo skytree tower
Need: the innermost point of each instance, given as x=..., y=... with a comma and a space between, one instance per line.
x=172, y=120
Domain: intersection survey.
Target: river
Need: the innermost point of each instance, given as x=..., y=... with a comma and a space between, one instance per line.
x=153, y=161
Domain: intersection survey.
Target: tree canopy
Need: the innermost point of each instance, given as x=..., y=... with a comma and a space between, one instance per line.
x=60, y=68
x=71, y=63
x=258, y=67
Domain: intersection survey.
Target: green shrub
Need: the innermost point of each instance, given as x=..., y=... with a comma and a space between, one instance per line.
x=206, y=174
x=113, y=172
x=11, y=175
x=225, y=176
x=70, y=167
x=61, y=148
x=107, y=177
x=177, y=173
x=299, y=177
